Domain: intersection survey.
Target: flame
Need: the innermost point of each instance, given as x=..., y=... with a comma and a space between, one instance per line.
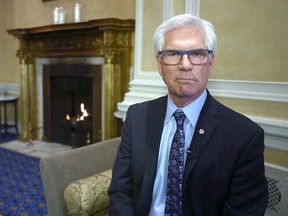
x=79, y=118
x=85, y=113
x=82, y=108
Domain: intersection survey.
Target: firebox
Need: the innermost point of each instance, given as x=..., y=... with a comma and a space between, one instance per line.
x=72, y=103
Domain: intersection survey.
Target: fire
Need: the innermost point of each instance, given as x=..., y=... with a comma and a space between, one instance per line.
x=84, y=112
x=81, y=117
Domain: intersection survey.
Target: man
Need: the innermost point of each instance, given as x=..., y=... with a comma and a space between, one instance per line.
x=214, y=165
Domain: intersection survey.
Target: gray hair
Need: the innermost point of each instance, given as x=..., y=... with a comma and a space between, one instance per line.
x=181, y=21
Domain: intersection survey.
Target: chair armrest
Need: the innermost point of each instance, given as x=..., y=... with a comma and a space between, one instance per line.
x=60, y=170
x=89, y=195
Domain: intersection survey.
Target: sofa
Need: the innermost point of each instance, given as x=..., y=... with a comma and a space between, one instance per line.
x=76, y=182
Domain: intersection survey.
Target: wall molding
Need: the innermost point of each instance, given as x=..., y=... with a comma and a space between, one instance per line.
x=10, y=88
x=250, y=90
x=192, y=7
x=276, y=132
x=149, y=85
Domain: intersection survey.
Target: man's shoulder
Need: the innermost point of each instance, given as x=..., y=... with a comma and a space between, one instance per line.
x=229, y=115
x=154, y=102
x=147, y=110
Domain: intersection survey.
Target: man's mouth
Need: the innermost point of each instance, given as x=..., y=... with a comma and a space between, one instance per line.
x=185, y=80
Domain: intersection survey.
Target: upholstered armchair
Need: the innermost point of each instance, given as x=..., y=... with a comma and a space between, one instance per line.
x=76, y=182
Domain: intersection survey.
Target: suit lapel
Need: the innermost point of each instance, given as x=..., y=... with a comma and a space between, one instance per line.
x=156, y=114
x=204, y=130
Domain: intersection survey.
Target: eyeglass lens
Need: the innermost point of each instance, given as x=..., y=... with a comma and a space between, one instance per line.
x=197, y=57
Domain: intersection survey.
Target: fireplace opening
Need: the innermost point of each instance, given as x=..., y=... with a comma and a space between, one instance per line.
x=72, y=103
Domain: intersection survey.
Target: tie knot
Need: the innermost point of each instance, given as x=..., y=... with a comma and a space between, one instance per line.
x=179, y=115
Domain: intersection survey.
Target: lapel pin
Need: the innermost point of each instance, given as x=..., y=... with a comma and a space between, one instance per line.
x=201, y=131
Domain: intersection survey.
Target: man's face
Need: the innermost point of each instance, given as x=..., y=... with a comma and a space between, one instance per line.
x=185, y=81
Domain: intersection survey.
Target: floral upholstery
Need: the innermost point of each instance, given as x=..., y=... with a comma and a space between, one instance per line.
x=88, y=196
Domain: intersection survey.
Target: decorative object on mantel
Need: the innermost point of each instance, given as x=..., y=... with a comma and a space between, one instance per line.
x=110, y=39
x=77, y=12
x=59, y=15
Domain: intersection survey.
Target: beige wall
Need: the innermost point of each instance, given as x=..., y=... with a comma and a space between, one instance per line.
x=152, y=11
x=252, y=37
x=33, y=13
x=252, y=46
x=38, y=13
x=8, y=61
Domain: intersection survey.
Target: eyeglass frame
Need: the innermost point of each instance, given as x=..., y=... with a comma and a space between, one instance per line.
x=160, y=53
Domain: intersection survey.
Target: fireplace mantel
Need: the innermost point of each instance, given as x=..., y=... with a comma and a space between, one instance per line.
x=108, y=38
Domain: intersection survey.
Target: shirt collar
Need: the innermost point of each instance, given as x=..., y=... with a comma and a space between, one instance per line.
x=192, y=110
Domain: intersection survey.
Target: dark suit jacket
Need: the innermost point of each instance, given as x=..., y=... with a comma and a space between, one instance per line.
x=224, y=174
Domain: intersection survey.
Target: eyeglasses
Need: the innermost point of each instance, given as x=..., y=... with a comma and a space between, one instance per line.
x=196, y=56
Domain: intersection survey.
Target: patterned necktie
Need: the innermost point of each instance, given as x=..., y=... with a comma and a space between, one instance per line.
x=173, y=205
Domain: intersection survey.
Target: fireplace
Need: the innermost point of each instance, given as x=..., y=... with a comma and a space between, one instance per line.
x=59, y=73
x=72, y=103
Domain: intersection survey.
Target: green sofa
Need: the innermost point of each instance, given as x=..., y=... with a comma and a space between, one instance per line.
x=76, y=182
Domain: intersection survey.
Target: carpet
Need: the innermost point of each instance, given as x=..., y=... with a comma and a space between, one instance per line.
x=6, y=137
x=21, y=188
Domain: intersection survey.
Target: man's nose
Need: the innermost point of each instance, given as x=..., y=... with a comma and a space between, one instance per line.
x=185, y=62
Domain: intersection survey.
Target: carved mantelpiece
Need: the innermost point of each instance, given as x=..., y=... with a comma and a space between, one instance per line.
x=108, y=38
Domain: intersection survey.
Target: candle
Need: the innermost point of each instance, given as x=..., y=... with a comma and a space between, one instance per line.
x=77, y=12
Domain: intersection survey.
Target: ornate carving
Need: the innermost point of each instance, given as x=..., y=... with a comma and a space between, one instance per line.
x=108, y=38
x=25, y=57
x=64, y=43
x=123, y=39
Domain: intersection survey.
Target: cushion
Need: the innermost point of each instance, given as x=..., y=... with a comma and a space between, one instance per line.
x=89, y=195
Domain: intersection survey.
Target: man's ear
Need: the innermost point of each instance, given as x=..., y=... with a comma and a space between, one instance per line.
x=159, y=66
x=212, y=61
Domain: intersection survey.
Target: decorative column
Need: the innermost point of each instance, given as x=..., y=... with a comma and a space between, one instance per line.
x=109, y=129
x=24, y=98
x=28, y=103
